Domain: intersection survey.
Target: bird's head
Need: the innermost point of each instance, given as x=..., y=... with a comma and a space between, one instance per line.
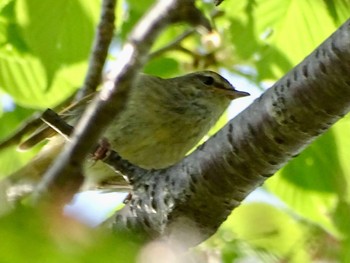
x=209, y=83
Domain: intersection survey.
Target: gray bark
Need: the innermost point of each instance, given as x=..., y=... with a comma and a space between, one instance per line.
x=190, y=200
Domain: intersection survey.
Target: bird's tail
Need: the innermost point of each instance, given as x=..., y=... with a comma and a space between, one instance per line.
x=22, y=182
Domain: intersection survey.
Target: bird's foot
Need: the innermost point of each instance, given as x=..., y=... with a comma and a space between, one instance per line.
x=101, y=150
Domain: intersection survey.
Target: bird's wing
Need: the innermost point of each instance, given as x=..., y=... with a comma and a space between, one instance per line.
x=46, y=132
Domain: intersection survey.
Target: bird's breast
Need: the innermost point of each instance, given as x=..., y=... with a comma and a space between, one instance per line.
x=157, y=144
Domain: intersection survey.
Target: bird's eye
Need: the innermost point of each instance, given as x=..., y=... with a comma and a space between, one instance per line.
x=207, y=80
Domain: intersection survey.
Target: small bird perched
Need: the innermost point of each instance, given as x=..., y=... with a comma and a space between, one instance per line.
x=163, y=120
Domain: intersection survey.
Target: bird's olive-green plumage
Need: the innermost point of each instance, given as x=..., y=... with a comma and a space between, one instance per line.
x=163, y=119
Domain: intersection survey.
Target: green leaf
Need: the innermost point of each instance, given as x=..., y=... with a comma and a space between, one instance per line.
x=133, y=11
x=162, y=67
x=58, y=32
x=275, y=35
x=10, y=158
x=264, y=228
x=44, y=57
x=338, y=10
x=295, y=33
x=342, y=140
x=316, y=181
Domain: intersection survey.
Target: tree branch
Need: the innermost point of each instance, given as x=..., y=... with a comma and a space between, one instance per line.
x=100, y=48
x=173, y=45
x=190, y=200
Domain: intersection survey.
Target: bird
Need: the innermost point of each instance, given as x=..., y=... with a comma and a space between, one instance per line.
x=164, y=118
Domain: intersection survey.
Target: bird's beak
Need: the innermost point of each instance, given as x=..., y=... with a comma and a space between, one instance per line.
x=231, y=93
x=239, y=94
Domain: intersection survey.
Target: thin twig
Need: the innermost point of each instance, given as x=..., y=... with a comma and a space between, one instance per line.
x=52, y=119
x=72, y=111
x=28, y=126
x=173, y=44
x=218, y=2
x=100, y=48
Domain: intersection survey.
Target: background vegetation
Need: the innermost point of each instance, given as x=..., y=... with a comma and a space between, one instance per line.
x=44, y=49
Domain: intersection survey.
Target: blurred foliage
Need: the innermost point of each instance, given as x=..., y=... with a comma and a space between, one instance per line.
x=265, y=233
x=30, y=235
x=44, y=49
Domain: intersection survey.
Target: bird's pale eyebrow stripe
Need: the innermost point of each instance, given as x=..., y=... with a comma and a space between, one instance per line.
x=220, y=86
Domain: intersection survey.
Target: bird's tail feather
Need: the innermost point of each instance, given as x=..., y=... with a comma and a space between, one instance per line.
x=22, y=181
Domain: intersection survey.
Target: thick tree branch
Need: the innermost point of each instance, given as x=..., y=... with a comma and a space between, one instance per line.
x=110, y=101
x=190, y=200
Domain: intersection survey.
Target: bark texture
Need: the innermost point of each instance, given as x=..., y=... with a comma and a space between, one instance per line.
x=190, y=200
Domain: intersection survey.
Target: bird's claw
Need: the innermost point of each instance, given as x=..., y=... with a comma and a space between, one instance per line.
x=102, y=150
